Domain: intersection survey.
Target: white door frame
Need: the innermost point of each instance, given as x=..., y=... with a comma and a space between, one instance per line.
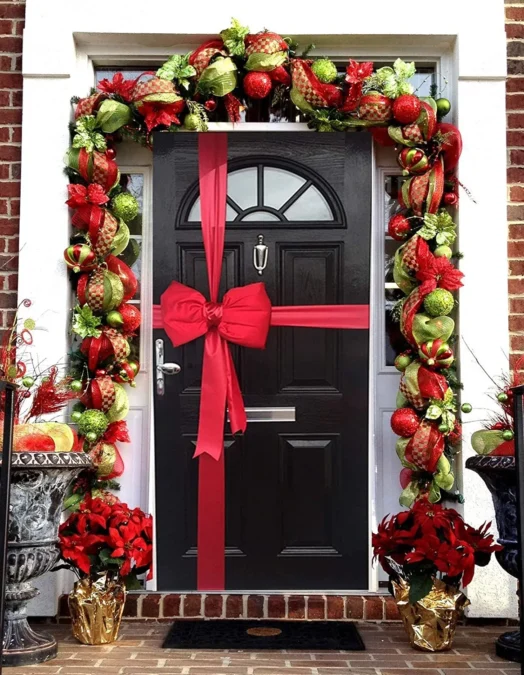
x=61, y=44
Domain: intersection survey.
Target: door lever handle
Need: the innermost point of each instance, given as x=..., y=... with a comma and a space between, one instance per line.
x=163, y=368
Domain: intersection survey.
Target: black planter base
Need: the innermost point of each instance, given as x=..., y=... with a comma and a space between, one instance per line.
x=25, y=647
x=508, y=646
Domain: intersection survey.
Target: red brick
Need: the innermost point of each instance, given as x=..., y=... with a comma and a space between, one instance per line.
x=19, y=27
x=516, y=193
x=516, y=268
x=516, y=343
x=9, y=188
x=255, y=606
x=16, y=134
x=516, y=323
x=316, y=607
x=4, y=168
x=150, y=606
x=193, y=605
x=515, y=175
x=9, y=226
x=515, y=213
x=12, y=10
x=515, y=121
x=14, y=205
x=6, y=302
x=514, y=30
x=10, y=153
x=12, y=281
x=16, y=170
x=131, y=606
x=515, y=101
x=354, y=607
x=296, y=607
x=10, y=116
x=516, y=157
x=515, y=13
x=516, y=249
x=7, y=27
x=391, y=610
x=234, y=606
x=8, y=262
x=171, y=605
x=374, y=608
x=11, y=44
x=213, y=606
x=276, y=607
x=515, y=84
x=335, y=607
x=516, y=286
x=516, y=305
x=16, y=97
x=515, y=138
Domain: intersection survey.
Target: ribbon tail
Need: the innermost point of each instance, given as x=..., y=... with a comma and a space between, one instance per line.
x=210, y=440
x=235, y=402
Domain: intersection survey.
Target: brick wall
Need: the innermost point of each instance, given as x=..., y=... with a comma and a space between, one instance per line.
x=12, y=14
x=515, y=135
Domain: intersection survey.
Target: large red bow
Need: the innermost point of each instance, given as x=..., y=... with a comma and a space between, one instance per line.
x=243, y=318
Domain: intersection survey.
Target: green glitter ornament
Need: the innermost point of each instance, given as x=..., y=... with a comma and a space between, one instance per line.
x=125, y=206
x=439, y=302
x=502, y=397
x=75, y=416
x=28, y=381
x=325, y=70
x=76, y=386
x=92, y=422
x=507, y=435
x=192, y=122
x=466, y=407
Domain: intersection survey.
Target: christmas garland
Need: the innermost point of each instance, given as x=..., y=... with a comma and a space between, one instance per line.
x=219, y=81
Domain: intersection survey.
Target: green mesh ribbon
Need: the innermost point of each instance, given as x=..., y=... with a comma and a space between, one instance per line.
x=300, y=102
x=426, y=328
x=264, y=62
x=409, y=494
x=121, y=239
x=112, y=115
x=401, y=276
x=443, y=477
x=219, y=78
x=485, y=441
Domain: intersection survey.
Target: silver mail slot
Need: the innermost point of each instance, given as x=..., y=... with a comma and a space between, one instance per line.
x=270, y=414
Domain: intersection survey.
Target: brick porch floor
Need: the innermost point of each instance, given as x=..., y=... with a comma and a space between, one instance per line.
x=138, y=652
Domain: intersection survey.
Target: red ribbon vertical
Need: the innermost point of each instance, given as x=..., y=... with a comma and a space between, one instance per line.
x=211, y=568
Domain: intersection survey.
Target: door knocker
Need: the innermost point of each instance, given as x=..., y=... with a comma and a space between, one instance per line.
x=260, y=253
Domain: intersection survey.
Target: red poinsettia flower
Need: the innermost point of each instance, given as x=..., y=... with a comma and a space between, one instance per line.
x=119, y=86
x=80, y=195
x=426, y=549
x=117, y=431
x=357, y=72
x=432, y=517
x=157, y=114
x=455, y=559
x=76, y=549
x=439, y=272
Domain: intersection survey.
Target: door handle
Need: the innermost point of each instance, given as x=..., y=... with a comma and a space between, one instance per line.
x=260, y=255
x=163, y=368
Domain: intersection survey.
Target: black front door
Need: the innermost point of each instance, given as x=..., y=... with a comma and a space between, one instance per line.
x=296, y=485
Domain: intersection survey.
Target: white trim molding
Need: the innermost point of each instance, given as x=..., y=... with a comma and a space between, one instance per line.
x=63, y=42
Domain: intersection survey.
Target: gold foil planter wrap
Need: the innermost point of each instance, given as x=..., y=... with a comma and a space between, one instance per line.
x=96, y=606
x=431, y=622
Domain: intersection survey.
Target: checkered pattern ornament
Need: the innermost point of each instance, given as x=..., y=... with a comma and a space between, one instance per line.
x=418, y=132
x=311, y=89
x=102, y=240
x=425, y=446
x=375, y=107
x=102, y=392
x=202, y=56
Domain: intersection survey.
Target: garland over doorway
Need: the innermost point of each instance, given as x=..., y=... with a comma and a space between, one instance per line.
x=218, y=81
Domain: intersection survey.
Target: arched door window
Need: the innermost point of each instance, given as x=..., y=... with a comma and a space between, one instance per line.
x=272, y=193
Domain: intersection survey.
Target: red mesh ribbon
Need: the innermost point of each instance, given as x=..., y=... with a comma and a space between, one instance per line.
x=243, y=317
x=315, y=92
x=425, y=447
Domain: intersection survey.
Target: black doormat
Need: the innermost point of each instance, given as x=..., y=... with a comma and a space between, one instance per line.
x=255, y=635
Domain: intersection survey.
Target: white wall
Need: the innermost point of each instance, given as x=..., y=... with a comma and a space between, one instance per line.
x=63, y=35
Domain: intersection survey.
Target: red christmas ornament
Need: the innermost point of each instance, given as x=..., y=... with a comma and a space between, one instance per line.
x=404, y=422
x=257, y=85
x=406, y=108
x=210, y=104
x=131, y=318
x=280, y=75
x=399, y=227
x=455, y=436
x=81, y=288
x=111, y=153
x=450, y=198
x=382, y=137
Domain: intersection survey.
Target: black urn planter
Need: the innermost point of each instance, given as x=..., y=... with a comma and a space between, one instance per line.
x=39, y=481
x=500, y=476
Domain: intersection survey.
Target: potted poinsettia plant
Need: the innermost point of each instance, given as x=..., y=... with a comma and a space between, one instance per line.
x=429, y=552
x=108, y=545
